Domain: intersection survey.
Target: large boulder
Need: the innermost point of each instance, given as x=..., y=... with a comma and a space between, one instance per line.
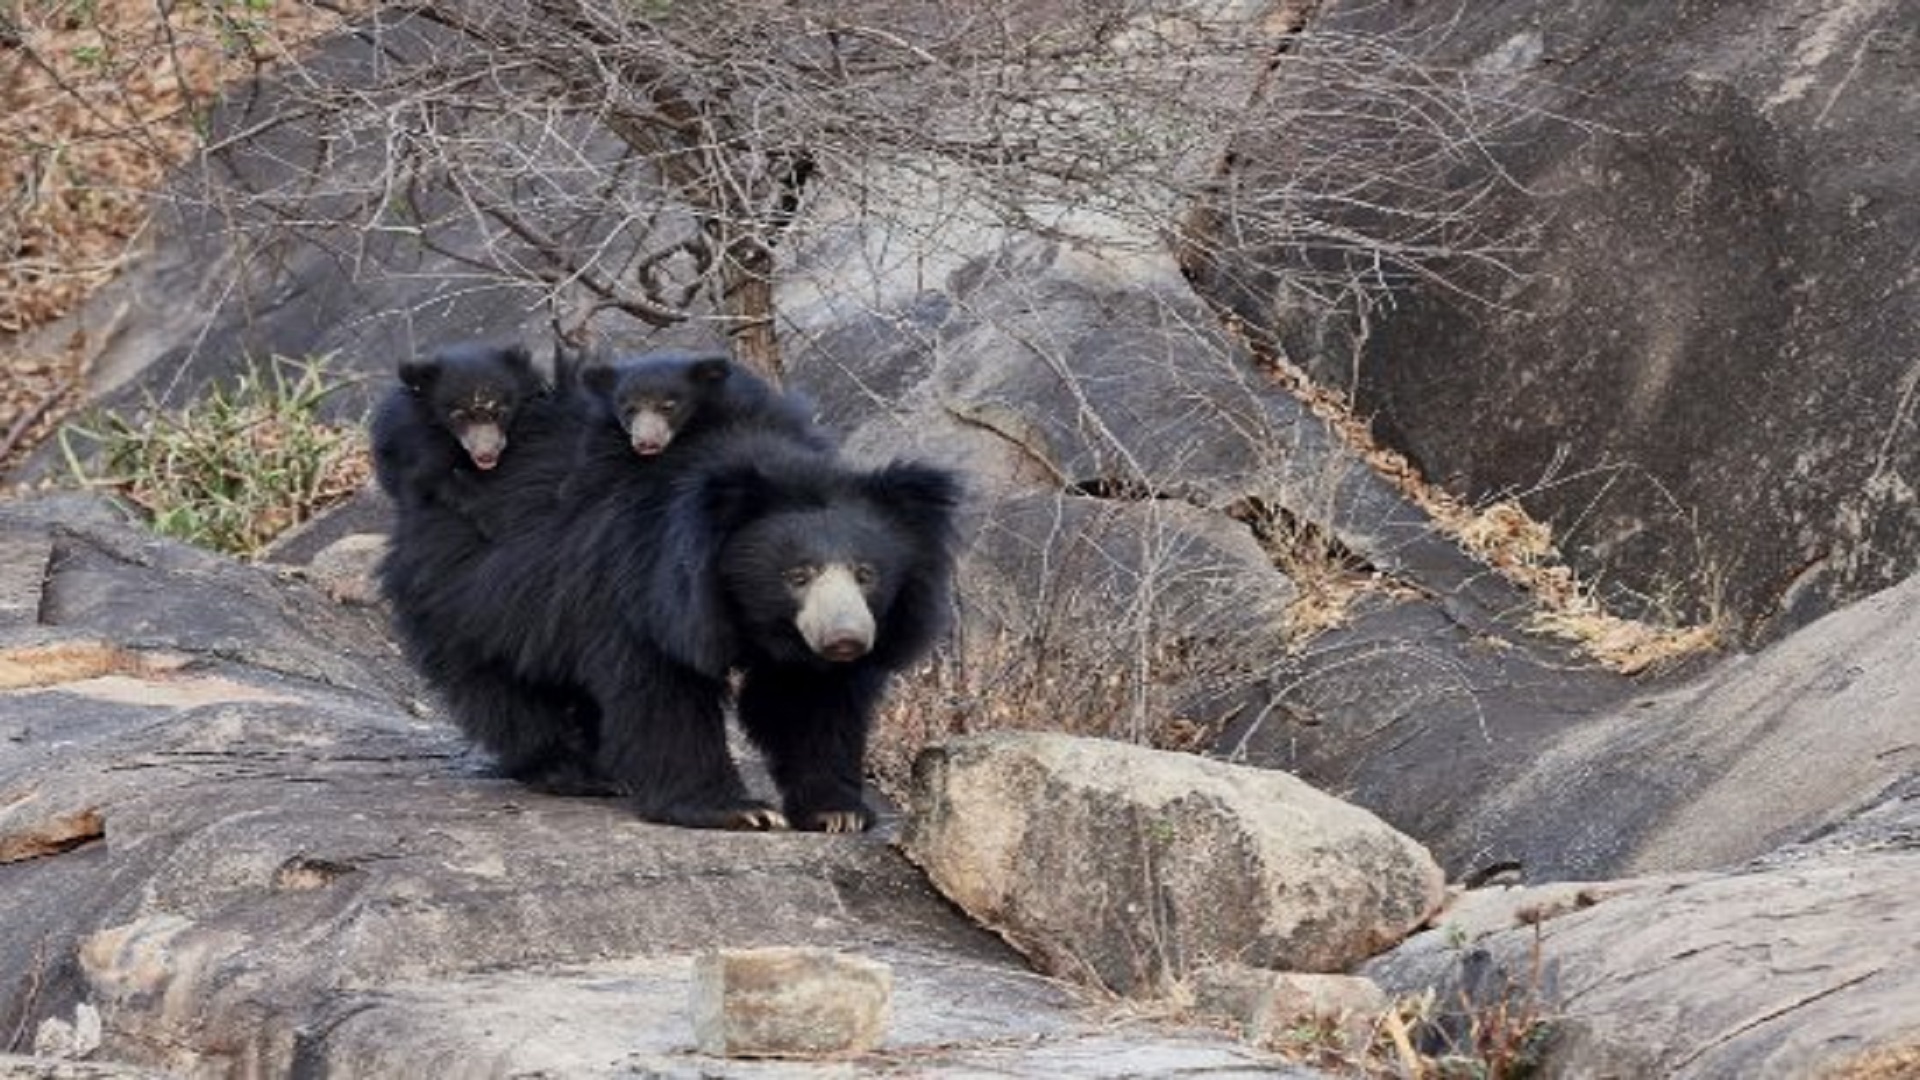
x=1698, y=362
x=1134, y=868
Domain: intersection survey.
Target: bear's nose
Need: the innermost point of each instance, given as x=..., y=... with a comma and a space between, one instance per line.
x=841, y=649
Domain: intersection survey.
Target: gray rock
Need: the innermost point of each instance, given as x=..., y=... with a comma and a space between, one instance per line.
x=787, y=1002
x=1423, y=718
x=1130, y=868
x=1271, y=1006
x=1763, y=751
x=15, y=1067
x=1802, y=970
x=347, y=569
x=1701, y=372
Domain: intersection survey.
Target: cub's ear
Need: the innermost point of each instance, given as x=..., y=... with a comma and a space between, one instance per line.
x=418, y=376
x=599, y=377
x=711, y=369
x=518, y=357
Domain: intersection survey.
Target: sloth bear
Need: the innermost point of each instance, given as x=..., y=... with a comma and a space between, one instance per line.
x=591, y=641
x=447, y=421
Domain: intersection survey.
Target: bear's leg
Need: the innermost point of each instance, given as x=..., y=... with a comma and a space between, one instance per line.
x=812, y=726
x=664, y=739
x=538, y=735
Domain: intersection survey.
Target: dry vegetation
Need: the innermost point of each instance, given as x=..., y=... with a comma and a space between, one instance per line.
x=233, y=470
x=1521, y=549
x=99, y=100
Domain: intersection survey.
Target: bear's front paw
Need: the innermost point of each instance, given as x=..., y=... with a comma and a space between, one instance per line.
x=836, y=821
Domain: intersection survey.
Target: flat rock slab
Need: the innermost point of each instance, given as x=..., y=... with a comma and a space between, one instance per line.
x=635, y=1017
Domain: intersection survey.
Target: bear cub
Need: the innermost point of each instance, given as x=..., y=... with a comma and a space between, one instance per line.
x=448, y=421
x=657, y=398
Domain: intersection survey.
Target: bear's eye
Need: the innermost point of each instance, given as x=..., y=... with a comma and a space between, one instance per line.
x=798, y=576
x=864, y=574
x=459, y=416
x=669, y=404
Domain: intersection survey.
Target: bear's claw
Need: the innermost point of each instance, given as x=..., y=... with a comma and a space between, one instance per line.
x=839, y=821
x=757, y=819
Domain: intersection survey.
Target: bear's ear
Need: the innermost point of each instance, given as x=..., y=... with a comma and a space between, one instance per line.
x=710, y=370
x=419, y=376
x=731, y=496
x=924, y=502
x=519, y=361
x=689, y=618
x=926, y=499
x=599, y=377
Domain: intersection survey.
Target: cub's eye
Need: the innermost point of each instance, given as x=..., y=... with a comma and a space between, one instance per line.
x=865, y=574
x=459, y=416
x=798, y=576
x=669, y=404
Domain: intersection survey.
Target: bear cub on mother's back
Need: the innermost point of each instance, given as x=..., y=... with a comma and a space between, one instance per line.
x=448, y=421
x=659, y=397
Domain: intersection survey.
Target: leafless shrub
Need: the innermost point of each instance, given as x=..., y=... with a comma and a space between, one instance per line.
x=1111, y=618
x=646, y=160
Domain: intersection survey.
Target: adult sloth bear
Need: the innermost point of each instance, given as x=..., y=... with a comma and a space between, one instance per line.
x=587, y=633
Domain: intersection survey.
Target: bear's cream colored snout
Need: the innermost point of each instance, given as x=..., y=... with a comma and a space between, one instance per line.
x=834, y=618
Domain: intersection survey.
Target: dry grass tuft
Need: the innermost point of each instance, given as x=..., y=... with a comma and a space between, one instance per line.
x=235, y=469
x=98, y=102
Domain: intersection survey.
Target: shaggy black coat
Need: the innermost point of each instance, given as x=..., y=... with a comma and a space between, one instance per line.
x=583, y=614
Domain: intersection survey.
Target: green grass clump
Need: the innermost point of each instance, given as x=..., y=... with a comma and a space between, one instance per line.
x=233, y=470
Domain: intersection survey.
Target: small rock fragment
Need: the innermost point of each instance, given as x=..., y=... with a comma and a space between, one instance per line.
x=789, y=1002
x=1267, y=1005
x=59, y=1038
x=347, y=569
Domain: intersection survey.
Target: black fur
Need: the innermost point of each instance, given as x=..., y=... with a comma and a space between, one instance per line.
x=461, y=396
x=591, y=640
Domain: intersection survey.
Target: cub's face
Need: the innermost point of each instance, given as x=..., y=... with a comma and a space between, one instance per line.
x=652, y=416
x=655, y=399
x=473, y=392
x=813, y=584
